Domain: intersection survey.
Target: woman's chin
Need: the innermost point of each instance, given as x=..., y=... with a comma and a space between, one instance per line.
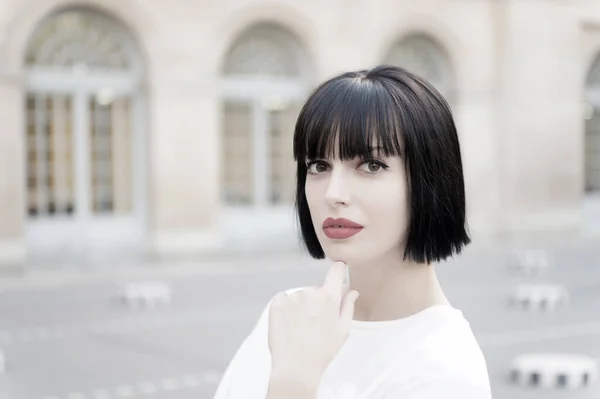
x=346, y=255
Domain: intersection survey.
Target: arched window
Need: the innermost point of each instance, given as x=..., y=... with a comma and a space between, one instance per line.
x=83, y=71
x=264, y=76
x=81, y=38
x=423, y=56
x=267, y=50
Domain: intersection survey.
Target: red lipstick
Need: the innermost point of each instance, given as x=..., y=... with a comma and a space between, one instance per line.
x=340, y=229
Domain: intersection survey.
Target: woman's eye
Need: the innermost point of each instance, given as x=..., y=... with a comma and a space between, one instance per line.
x=317, y=167
x=372, y=166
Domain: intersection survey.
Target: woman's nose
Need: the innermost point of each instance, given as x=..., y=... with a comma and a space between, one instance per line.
x=338, y=192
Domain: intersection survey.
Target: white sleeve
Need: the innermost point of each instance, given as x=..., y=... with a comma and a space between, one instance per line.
x=249, y=370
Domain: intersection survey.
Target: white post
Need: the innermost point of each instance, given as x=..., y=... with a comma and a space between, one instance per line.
x=82, y=170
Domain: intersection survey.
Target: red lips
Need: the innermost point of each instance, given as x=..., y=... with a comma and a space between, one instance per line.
x=339, y=229
x=341, y=222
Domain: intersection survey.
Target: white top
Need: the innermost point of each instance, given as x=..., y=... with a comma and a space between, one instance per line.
x=429, y=355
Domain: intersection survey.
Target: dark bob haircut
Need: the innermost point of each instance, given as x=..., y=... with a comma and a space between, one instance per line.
x=406, y=116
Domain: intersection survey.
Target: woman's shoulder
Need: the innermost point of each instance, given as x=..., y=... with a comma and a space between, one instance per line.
x=455, y=354
x=449, y=364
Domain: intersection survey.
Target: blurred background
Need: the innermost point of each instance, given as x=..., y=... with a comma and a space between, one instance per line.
x=146, y=180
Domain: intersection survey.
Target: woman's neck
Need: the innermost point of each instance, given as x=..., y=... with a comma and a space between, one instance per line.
x=393, y=289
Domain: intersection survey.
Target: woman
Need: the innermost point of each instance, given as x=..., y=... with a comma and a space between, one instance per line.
x=380, y=192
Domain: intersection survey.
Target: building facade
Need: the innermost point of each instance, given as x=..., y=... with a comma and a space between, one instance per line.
x=152, y=127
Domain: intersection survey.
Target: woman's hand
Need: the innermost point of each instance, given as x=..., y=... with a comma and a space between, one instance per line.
x=308, y=327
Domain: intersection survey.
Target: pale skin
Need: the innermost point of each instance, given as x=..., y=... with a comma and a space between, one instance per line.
x=307, y=328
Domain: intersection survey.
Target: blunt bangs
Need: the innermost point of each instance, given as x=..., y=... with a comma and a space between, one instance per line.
x=402, y=114
x=356, y=114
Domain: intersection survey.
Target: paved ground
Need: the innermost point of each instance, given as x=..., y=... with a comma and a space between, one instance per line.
x=65, y=336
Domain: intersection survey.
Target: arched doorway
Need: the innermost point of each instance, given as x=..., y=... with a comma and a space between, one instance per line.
x=265, y=77
x=425, y=57
x=84, y=142
x=592, y=149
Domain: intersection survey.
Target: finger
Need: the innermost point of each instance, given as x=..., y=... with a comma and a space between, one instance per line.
x=347, y=309
x=335, y=279
x=345, y=289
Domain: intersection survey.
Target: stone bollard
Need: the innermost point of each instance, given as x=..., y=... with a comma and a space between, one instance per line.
x=146, y=295
x=531, y=262
x=554, y=371
x=540, y=297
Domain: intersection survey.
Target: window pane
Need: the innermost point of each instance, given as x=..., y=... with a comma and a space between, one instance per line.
x=111, y=163
x=237, y=165
x=50, y=189
x=283, y=167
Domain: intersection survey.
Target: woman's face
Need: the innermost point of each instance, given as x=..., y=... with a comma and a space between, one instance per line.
x=372, y=193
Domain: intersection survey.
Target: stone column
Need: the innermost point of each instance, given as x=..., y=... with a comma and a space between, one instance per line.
x=185, y=157
x=541, y=118
x=474, y=117
x=12, y=175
